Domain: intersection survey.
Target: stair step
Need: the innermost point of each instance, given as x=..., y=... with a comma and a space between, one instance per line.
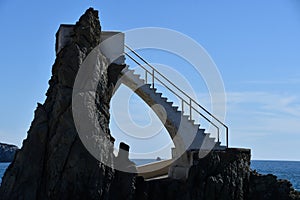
x=158, y=93
x=175, y=108
x=170, y=103
x=192, y=121
x=130, y=74
x=197, y=125
x=178, y=112
x=206, y=134
x=200, y=130
x=137, y=75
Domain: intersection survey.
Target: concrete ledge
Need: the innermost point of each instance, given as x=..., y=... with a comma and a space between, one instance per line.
x=154, y=169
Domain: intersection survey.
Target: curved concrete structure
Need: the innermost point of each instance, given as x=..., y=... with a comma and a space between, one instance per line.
x=187, y=136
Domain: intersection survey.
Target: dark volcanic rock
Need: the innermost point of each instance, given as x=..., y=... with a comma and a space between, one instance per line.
x=53, y=163
x=264, y=187
x=7, y=152
x=221, y=175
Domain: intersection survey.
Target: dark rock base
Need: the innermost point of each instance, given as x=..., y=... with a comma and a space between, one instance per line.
x=222, y=175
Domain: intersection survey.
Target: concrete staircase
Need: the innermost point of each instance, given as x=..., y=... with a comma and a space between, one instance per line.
x=189, y=139
x=185, y=133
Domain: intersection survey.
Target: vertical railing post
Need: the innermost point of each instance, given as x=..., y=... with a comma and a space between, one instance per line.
x=190, y=109
x=146, y=77
x=218, y=135
x=182, y=106
x=153, y=78
x=227, y=137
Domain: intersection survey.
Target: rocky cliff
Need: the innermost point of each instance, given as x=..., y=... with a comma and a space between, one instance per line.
x=54, y=164
x=7, y=152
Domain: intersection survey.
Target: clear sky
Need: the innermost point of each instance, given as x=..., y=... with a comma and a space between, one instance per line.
x=255, y=44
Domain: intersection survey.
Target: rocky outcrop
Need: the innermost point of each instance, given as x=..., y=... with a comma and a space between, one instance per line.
x=53, y=163
x=7, y=152
x=269, y=187
x=221, y=175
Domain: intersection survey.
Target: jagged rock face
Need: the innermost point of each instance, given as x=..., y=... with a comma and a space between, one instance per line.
x=219, y=175
x=53, y=163
x=7, y=152
x=268, y=187
x=223, y=175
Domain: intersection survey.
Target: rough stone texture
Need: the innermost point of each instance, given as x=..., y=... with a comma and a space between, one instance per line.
x=268, y=187
x=53, y=163
x=7, y=152
x=123, y=186
x=222, y=175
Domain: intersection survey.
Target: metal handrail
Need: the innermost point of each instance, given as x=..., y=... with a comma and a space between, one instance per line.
x=183, y=101
x=191, y=100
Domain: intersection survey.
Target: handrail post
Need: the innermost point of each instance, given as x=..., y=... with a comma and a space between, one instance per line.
x=190, y=109
x=227, y=138
x=218, y=135
x=153, y=78
x=146, y=77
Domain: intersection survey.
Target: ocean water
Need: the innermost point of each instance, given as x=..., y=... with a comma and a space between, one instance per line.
x=3, y=167
x=289, y=170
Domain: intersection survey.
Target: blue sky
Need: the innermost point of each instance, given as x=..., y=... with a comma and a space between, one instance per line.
x=256, y=46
